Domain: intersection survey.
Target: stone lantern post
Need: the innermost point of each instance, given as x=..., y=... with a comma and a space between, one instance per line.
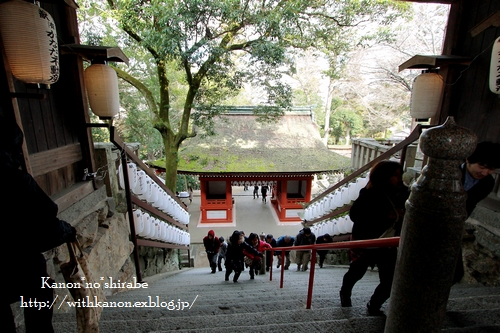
x=432, y=233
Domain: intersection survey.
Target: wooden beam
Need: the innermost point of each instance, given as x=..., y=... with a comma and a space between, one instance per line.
x=50, y=160
x=73, y=194
x=493, y=20
x=90, y=52
x=433, y=61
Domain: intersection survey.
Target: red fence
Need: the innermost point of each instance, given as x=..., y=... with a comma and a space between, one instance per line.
x=362, y=244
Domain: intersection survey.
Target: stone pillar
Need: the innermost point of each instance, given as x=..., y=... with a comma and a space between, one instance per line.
x=432, y=233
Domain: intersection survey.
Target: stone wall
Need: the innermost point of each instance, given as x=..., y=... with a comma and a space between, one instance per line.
x=103, y=231
x=481, y=246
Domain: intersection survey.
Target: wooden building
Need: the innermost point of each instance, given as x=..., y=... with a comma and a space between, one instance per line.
x=58, y=148
x=284, y=155
x=473, y=26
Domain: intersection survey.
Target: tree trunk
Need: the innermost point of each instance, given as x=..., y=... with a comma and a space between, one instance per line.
x=348, y=137
x=328, y=110
x=171, y=159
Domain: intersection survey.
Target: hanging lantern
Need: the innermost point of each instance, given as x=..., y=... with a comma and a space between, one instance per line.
x=101, y=82
x=426, y=96
x=30, y=41
x=495, y=68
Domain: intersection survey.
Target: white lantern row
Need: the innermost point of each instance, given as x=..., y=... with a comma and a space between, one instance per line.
x=339, y=226
x=145, y=188
x=340, y=197
x=149, y=227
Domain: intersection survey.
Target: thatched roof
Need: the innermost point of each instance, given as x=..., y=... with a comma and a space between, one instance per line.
x=243, y=145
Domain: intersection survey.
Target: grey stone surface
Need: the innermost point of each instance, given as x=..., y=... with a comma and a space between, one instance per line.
x=432, y=233
x=93, y=202
x=260, y=305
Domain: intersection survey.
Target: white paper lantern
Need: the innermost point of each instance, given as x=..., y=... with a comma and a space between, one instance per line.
x=426, y=96
x=146, y=219
x=495, y=68
x=101, y=83
x=138, y=222
x=30, y=41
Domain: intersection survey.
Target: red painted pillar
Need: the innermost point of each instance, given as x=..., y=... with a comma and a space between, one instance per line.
x=283, y=199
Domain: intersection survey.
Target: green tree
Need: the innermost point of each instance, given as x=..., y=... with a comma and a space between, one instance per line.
x=206, y=40
x=345, y=122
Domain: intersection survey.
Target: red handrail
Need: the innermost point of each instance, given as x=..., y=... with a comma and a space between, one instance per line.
x=361, y=244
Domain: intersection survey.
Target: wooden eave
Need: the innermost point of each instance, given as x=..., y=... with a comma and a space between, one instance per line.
x=433, y=61
x=256, y=175
x=93, y=53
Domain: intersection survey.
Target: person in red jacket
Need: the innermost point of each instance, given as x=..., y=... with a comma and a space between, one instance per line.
x=251, y=259
x=212, y=246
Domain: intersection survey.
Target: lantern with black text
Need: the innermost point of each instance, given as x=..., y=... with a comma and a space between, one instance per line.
x=30, y=41
x=495, y=67
x=426, y=96
x=101, y=82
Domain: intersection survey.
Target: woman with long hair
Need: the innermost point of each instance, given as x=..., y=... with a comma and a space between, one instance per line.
x=378, y=212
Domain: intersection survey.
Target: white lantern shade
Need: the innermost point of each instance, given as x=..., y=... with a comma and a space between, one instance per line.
x=146, y=219
x=30, y=41
x=426, y=95
x=495, y=68
x=138, y=221
x=101, y=83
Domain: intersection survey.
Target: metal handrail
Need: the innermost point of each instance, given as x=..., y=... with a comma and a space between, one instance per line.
x=414, y=135
x=360, y=244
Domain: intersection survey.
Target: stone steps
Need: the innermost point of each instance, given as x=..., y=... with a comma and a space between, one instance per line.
x=261, y=306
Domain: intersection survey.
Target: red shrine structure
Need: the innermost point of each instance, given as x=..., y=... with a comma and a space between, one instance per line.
x=283, y=155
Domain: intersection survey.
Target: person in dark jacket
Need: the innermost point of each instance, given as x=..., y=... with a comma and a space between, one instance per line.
x=326, y=238
x=222, y=253
x=271, y=241
x=33, y=228
x=234, y=255
x=304, y=237
x=284, y=241
x=263, y=191
x=212, y=246
x=478, y=182
x=379, y=208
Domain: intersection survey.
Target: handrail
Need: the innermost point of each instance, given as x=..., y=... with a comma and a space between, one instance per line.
x=360, y=244
x=414, y=135
x=126, y=152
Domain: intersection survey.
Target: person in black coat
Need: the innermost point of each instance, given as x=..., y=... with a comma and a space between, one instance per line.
x=326, y=238
x=33, y=228
x=302, y=257
x=234, y=255
x=378, y=209
x=212, y=246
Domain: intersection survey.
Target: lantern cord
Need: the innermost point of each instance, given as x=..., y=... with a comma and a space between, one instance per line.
x=468, y=66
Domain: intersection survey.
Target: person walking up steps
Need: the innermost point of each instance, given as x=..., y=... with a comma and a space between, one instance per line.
x=263, y=191
x=256, y=191
x=380, y=208
x=234, y=255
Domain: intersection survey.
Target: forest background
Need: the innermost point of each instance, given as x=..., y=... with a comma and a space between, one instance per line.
x=344, y=65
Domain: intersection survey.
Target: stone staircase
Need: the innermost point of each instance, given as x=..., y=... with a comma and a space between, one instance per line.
x=261, y=306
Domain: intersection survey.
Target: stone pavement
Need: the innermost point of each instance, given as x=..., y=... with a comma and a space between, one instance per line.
x=261, y=306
